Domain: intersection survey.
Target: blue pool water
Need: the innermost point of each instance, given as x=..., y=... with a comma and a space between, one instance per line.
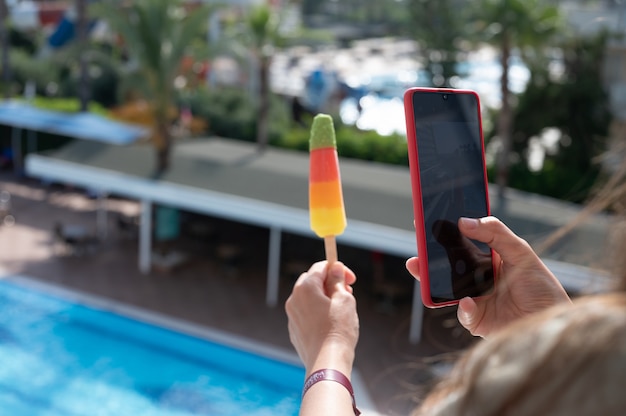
x=59, y=358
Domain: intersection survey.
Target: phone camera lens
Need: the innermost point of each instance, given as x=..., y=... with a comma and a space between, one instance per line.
x=445, y=96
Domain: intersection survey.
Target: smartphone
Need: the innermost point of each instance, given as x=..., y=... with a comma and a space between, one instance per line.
x=449, y=181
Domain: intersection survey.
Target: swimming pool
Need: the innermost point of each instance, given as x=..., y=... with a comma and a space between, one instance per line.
x=61, y=358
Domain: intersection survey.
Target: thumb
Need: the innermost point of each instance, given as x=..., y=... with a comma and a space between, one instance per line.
x=335, y=279
x=468, y=314
x=490, y=230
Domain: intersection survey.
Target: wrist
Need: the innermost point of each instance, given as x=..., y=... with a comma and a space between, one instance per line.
x=329, y=374
x=335, y=355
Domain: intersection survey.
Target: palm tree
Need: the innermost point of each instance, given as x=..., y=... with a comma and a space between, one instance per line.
x=262, y=36
x=4, y=44
x=82, y=33
x=157, y=35
x=509, y=24
x=438, y=26
x=263, y=27
x=258, y=36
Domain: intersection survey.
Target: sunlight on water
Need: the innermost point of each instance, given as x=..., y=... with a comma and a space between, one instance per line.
x=58, y=358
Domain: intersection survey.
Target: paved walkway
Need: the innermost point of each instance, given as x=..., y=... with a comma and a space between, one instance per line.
x=225, y=292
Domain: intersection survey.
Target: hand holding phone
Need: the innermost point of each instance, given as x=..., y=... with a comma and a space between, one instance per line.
x=449, y=181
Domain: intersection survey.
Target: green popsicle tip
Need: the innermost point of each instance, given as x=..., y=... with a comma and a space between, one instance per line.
x=322, y=132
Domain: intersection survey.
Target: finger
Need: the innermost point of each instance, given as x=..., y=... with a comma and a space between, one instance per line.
x=336, y=278
x=412, y=265
x=317, y=276
x=349, y=276
x=468, y=314
x=316, y=272
x=493, y=232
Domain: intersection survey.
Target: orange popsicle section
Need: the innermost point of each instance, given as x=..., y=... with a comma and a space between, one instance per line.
x=326, y=210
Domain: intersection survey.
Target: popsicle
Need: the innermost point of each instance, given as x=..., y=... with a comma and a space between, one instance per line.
x=326, y=208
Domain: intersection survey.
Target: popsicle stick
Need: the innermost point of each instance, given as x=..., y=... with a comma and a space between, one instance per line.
x=330, y=245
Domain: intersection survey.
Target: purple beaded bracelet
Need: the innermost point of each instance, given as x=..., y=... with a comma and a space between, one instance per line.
x=331, y=375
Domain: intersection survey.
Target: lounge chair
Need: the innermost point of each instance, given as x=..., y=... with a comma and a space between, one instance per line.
x=74, y=240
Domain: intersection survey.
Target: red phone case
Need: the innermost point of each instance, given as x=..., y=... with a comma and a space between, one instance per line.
x=418, y=209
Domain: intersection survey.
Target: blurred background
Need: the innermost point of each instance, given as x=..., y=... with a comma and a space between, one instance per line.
x=353, y=59
x=167, y=78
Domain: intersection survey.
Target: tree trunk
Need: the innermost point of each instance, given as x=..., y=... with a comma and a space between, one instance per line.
x=163, y=149
x=81, y=32
x=504, y=128
x=4, y=44
x=163, y=161
x=264, y=104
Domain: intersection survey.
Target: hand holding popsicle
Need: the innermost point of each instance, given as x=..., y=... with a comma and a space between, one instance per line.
x=326, y=208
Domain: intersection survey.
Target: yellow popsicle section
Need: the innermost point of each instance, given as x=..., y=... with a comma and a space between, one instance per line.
x=326, y=208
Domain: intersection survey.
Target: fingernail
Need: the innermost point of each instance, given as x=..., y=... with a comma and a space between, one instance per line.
x=466, y=317
x=466, y=311
x=469, y=223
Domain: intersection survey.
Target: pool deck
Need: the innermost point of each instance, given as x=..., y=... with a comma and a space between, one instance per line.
x=216, y=290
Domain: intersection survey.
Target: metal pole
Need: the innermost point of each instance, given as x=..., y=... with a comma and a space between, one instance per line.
x=16, y=142
x=31, y=141
x=417, y=315
x=101, y=215
x=273, y=267
x=145, y=237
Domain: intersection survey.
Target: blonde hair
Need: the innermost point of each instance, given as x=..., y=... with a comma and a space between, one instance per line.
x=569, y=360
x=608, y=195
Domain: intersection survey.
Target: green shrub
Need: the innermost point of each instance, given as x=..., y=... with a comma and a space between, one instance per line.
x=68, y=105
x=296, y=138
x=103, y=71
x=552, y=180
x=231, y=112
x=104, y=80
x=40, y=71
x=23, y=39
x=354, y=143
x=369, y=145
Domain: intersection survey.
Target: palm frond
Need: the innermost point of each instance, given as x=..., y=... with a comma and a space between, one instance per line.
x=157, y=34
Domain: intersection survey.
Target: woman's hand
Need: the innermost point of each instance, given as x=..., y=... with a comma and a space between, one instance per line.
x=524, y=284
x=323, y=322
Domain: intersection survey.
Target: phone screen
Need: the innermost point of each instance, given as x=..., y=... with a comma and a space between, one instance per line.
x=452, y=179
